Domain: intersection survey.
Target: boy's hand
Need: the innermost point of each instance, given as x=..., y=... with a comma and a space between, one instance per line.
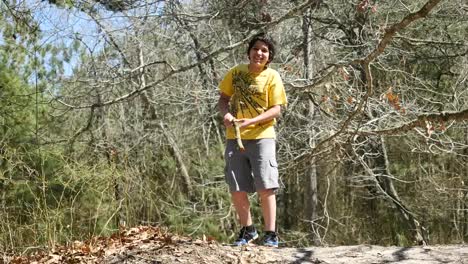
x=228, y=119
x=244, y=122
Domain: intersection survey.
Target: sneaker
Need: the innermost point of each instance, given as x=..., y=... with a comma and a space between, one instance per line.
x=270, y=239
x=245, y=237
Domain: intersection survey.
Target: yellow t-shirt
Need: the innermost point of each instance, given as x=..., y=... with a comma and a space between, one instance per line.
x=252, y=94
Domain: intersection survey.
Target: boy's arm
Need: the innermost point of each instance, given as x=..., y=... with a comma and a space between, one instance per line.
x=271, y=113
x=223, y=107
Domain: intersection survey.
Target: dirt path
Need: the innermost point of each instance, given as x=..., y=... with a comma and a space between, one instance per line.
x=153, y=245
x=361, y=254
x=376, y=254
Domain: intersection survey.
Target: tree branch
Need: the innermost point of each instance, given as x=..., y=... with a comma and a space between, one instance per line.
x=391, y=31
x=215, y=53
x=365, y=63
x=420, y=121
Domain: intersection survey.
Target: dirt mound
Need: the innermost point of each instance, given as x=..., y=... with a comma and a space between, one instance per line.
x=153, y=245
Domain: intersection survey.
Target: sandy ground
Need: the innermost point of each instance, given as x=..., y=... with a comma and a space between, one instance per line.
x=360, y=254
x=153, y=245
x=375, y=254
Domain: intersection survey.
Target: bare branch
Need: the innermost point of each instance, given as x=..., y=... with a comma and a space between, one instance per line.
x=365, y=64
x=288, y=15
x=391, y=31
x=420, y=121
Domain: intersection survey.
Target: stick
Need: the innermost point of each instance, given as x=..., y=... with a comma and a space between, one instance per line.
x=238, y=134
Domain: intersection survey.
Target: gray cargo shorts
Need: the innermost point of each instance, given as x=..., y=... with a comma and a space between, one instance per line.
x=253, y=170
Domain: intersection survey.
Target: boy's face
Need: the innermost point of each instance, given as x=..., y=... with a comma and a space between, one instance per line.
x=259, y=54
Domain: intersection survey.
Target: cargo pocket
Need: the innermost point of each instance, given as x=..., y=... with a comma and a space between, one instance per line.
x=273, y=169
x=271, y=182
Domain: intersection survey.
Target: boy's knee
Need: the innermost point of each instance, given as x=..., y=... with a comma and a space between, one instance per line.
x=266, y=193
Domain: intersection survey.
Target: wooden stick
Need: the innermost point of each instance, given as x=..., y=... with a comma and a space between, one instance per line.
x=238, y=134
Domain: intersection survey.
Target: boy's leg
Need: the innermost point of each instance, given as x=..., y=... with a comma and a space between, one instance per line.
x=268, y=203
x=238, y=176
x=242, y=206
x=247, y=233
x=265, y=171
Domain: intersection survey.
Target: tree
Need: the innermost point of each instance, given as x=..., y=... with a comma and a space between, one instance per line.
x=376, y=116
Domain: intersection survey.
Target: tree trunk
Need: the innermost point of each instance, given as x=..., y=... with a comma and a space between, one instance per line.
x=187, y=184
x=378, y=165
x=464, y=191
x=385, y=184
x=311, y=172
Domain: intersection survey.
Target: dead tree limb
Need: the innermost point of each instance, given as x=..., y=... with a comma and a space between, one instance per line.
x=187, y=184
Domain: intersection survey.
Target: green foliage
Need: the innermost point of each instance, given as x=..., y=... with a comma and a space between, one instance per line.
x=208, y=217
x=61, y=202
x=16, y=107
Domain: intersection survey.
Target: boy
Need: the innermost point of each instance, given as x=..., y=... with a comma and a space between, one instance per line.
x=252, y=95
